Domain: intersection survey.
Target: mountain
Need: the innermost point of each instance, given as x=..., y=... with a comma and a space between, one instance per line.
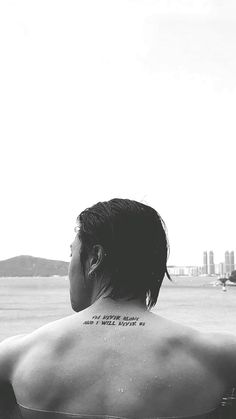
x=32, y=266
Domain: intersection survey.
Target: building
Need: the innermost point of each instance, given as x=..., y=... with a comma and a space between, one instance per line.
x=211, y=269
x=194, y=271
x=205, y=263
x=231, y=261
x=227, y=262
x=220, y=269
x=184, y=270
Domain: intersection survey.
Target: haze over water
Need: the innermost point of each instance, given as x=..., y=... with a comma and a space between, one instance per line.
x=28, y=303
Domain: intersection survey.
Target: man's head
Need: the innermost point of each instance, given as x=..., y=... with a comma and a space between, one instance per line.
x=124, y=242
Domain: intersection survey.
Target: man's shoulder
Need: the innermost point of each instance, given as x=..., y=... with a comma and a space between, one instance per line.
x=212, y=343
x=217, y=351
x=217, y=343
x=19, y=348
x=214, y=352
x=10, y=349
x=210, y=347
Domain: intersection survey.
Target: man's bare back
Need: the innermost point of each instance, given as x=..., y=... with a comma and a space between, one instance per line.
x=122, y=361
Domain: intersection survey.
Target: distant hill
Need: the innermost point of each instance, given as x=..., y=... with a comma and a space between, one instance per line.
x=32, y=266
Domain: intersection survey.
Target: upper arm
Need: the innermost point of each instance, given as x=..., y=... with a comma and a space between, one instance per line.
x=219, y=351
x=9, y=353
x=228, y=358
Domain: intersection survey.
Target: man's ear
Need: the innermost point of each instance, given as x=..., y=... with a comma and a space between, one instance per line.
x=95, y=260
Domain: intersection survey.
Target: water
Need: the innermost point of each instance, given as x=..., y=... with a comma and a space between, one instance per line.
x=197, y=303
x=28, y=303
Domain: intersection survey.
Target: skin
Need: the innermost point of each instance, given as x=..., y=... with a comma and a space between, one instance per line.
x=159, y=368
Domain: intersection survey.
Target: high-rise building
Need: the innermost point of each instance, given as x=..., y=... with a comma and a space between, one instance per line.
x=211, y=263
x=222, y=269
x=231, y=261
x=227, y=262
x=205, y=263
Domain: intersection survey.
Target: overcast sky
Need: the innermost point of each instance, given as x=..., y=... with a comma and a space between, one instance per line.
x=117, y=98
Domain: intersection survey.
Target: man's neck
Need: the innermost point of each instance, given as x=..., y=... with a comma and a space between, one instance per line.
x=122, y=304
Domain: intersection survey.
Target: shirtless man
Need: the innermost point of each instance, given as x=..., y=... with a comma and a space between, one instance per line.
x=114, y=357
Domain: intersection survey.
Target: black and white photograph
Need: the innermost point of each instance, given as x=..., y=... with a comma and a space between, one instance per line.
x=117, y=209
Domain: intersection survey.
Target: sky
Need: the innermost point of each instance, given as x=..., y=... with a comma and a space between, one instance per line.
x=118, y=98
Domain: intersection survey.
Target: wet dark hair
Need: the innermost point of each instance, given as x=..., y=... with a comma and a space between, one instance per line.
x=134, y=240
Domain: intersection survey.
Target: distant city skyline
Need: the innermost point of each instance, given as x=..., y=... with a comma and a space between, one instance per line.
x=208, y=266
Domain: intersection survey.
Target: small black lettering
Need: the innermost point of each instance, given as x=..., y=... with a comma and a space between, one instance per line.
x=114, y=320
x=127, y=318
x=111, y=317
